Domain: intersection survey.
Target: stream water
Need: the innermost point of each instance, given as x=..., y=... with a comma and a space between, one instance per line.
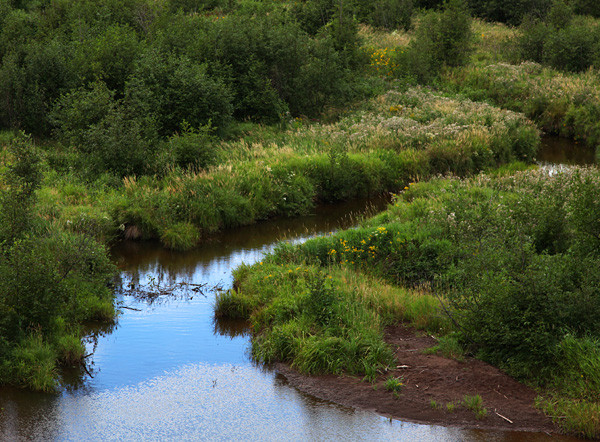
x=168, y=371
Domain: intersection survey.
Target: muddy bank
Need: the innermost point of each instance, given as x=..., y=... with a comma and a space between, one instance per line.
x=430, y=378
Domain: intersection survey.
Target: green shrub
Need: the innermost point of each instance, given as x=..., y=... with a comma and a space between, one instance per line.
x=78, y=110
x=193, y=147
x=22, y=177
x=48, y=280
x=442, y=38
x=532, y=39
x=586, y=7
x=168, y=90
x=511, y=12
x=571, y=48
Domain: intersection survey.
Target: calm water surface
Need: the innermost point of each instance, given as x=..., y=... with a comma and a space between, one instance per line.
x=168, y=371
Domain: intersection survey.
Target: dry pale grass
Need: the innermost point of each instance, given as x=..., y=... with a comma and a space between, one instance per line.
x=492, y=42
x=376, y=38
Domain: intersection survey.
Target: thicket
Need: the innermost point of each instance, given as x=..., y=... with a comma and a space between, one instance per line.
x=51, y=281
x=386, y=14
x=115, y=80
x=561, y=39
x=442, y=38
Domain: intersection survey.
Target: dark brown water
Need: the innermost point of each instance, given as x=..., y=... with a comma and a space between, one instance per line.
x=168, y=371
x=562, y=151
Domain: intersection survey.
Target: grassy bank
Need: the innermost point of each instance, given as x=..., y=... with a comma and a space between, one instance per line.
x=565, y=104
x=512, y=259
x=396, y=138
x=323, y=319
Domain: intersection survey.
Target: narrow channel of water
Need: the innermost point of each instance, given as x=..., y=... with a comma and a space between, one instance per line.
x=168, y=371
x=562, y=151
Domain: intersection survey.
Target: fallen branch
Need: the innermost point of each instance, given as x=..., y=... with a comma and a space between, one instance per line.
x=503, y=417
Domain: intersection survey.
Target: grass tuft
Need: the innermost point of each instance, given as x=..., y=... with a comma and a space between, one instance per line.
x=475, y=404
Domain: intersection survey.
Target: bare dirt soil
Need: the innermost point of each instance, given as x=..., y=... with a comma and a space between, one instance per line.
x=428, y=378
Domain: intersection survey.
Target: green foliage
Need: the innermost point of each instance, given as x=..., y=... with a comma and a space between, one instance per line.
x=107, y=132
x=193, y=147
x=169, y=90
x=448, y=346
x=560, y=39
x=475, y=404
x=108, y=56
x=580, y=417
x=394, y=385
x=572, y=48
x=90, y=70
x=180, y=236
x=388, y=14
x=441, y=39
x=534, y=35
x=48, y=280
x=509, y=11
x=392, y=14
x=586, y=7
x=305, y=317
x=578, y=371
x=33, y=364
x=514, y=256
x=78, y=110
x=70, y=349
x=21, y=179
x=560, y=14
x=559, y=103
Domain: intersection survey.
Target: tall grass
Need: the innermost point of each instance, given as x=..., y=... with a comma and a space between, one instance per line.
x=560, y=103
x=396, y=138
x=322, y=320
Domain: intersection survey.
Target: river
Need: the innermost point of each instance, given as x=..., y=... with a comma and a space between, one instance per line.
x=169, y=371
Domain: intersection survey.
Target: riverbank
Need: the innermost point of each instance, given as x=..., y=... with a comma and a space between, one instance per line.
x=403, y=135
x=502, y=267
x=433, y=390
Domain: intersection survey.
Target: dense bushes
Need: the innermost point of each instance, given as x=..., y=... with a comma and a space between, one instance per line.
x=561, y=40
x=148, y=56
x=442, y=38
x=398, y=137
x=388, y=14
x=50, y=281
x=513, y=260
